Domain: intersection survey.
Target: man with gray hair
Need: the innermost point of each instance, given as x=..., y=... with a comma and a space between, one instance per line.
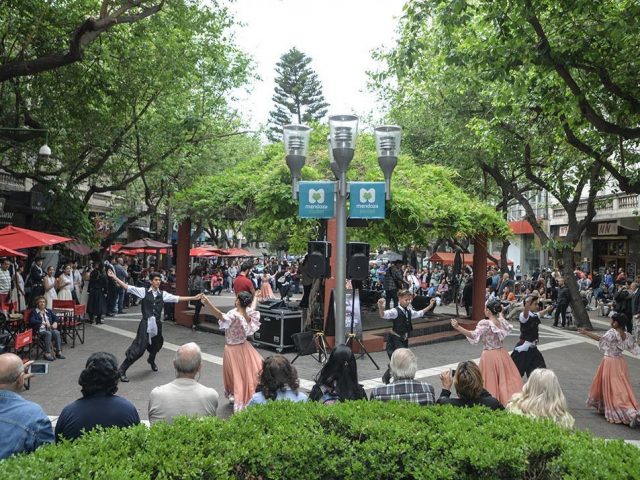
x=403, y=368
x=185, y=395
x=23, y=424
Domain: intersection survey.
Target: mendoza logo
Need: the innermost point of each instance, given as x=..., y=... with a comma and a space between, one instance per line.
x=316, y=196
x=367, y=195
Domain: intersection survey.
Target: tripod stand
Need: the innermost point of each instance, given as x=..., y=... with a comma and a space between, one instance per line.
x=351, y=337
x=317, y=345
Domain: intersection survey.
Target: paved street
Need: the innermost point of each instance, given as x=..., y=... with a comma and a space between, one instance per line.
x=574, y=359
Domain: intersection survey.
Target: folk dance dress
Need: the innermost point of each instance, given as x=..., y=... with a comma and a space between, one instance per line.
x=50, y=290
x=499, y=373
x=241, y=363
x=265, y=288
x=526, y=355
x=611, y=391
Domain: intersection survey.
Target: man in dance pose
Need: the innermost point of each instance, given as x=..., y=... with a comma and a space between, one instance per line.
x=149, y=335
x=402, y=326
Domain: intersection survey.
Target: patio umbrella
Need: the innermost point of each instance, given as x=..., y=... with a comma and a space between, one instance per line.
x=16, y=237
x=237, y=252
x=204, y=252
x=8, y=252
x=147, y=243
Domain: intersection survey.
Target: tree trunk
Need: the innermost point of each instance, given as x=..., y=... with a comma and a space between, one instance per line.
x=580, y=314
x=504, y=265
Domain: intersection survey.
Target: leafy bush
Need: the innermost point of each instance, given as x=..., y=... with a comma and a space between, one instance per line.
x=351, y=440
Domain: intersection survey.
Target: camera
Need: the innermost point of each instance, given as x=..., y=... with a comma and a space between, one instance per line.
x=38, y=369
x=453, y=372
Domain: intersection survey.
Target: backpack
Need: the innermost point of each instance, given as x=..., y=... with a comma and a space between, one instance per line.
x=330, y=397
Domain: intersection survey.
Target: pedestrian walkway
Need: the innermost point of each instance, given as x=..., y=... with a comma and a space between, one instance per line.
x=573, y=357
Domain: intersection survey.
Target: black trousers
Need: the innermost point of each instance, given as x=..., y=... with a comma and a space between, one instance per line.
x=561, y=310
x=141, y=344
x=394, y=342
x=528, y=361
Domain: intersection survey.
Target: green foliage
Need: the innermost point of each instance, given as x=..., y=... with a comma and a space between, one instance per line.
x=298, y=94
x=142, y=115
x=358, y=440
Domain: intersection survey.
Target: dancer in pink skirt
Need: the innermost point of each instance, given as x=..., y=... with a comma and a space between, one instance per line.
x=500, y=374
x=611, y=391
x=241, y=363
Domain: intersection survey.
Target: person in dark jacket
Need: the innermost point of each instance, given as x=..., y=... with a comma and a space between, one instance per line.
x=97, y=305
x=563, y=303
x=99, y=405
x=468, y=383
x=45, y=324
x=624, y=303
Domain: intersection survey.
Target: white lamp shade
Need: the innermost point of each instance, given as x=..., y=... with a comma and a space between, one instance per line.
x=388, y=140
x=343, y=131
x=45, y=151
x=296, y=139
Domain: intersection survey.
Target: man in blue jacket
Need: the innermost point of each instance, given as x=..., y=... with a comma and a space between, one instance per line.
x=23, y=424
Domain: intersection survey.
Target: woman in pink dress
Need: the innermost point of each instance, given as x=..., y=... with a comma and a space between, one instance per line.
x=265, y=287
x=611, y=391
x=500, y=374
x=241, y=363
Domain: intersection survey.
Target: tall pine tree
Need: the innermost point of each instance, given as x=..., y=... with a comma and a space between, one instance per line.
x=298, y=94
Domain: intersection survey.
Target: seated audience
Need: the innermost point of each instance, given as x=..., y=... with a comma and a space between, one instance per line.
x=337, y=381
x=403, y=368
x=278, y=381
x=45, y=323
x=184, y=395
x=468, y=383
x=99, y=405
x=23, y=424
x=542, y=397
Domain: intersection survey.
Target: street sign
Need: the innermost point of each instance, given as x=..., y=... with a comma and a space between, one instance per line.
x=316, y=199
x=366, y=200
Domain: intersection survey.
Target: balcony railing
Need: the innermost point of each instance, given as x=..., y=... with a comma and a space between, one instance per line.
x=623, y=202
x=9, y=181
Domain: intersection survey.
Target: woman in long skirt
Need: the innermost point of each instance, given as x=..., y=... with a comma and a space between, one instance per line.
x=241, y=363
x=499, y=373
x=265, y=287
x=611, y=391
x=64, y=284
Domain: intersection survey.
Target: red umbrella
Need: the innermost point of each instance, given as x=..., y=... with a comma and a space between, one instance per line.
x=16, y=237
x=147, y=243
x=204, y=252
x=8, y=252
x=237, y=252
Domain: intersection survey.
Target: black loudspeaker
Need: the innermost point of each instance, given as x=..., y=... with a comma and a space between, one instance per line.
x=357, y=260
x=317, y=263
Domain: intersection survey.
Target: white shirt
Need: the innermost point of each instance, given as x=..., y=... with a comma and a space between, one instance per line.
x=393, y=313
x=183, y=396
x=140, y=292
x=5, y=280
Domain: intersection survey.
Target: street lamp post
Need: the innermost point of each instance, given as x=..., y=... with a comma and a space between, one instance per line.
x=341, y=144
x=44, y=151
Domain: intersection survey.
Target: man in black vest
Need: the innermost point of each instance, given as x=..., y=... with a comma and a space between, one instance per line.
x=402, y=326
x=149, y=335
x=526, y=355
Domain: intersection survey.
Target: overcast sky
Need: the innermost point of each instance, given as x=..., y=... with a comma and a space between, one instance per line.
x=338, y=35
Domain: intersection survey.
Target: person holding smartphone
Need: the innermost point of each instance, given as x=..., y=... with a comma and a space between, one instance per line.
x=23, y=424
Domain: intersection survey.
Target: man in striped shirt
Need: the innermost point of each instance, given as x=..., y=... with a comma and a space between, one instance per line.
x=404, y=387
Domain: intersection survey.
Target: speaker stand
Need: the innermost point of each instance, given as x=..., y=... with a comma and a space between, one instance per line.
x=351, y=337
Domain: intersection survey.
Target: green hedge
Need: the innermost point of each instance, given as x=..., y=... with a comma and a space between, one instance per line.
x=351, y=440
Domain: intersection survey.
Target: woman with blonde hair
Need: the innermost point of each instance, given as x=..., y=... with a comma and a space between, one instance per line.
x=542, y=397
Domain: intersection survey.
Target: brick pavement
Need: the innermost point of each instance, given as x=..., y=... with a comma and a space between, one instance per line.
x=574, y=359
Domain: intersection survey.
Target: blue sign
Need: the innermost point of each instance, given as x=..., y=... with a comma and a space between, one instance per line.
x=366, y=200
x=316, y=199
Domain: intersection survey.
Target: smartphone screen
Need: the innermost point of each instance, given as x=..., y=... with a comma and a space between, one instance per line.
x=453, y=373
x=39, y=368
